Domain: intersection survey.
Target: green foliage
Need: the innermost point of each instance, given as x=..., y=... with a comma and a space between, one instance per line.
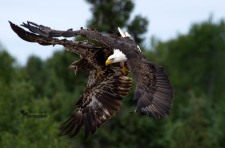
x=108, y=15
x=138, y=27
x=7, y=69
x=34, y=73
x=195, y=65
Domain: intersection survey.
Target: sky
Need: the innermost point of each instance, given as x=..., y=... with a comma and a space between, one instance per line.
x=167, y=19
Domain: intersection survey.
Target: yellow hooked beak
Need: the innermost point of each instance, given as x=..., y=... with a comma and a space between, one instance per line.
x=107, y=62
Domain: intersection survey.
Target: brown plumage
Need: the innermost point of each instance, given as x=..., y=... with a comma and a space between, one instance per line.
x=99, y=102
x=154, y=93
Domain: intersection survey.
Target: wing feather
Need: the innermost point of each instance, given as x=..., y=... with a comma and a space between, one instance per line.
x=154, y=93
x=98, y=103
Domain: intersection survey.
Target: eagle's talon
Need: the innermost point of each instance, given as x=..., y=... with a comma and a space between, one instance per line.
x=100, y=73
x=124, y=70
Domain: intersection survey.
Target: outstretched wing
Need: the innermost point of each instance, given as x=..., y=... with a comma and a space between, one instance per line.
x=154, y=93
x=77, y=47
x=27, y=36
x=47, y=31
x=100, y=101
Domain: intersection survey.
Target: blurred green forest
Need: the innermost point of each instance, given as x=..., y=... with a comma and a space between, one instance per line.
x=193, y=61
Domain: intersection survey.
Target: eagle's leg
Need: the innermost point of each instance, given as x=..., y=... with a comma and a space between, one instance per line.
x=124, y=68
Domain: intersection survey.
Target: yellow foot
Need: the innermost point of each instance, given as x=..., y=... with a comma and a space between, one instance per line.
x=100, y=73
x=125, y=70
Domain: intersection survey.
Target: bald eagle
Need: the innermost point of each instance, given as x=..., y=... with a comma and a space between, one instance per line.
x=109, y=63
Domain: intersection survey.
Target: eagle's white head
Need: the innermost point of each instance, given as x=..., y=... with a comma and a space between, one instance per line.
x=117, y=56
